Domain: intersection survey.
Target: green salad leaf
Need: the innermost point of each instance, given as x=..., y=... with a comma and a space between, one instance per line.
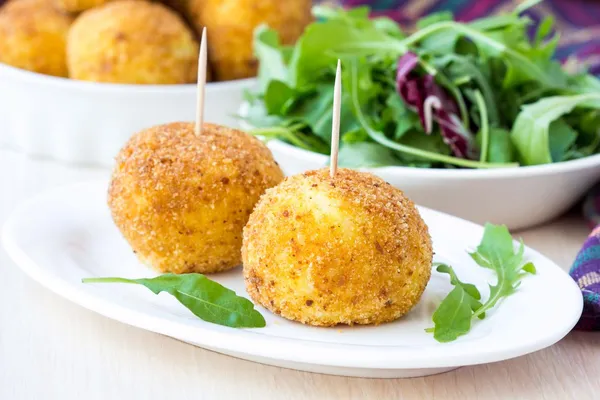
x=500, y=148
x=454, y=316
x=504, y=99
x=365, y=155
x=205, y=298
x=531, y=131
x=268, y=49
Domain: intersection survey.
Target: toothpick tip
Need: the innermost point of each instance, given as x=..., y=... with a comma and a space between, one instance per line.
x=201, y=83
x=335, y=121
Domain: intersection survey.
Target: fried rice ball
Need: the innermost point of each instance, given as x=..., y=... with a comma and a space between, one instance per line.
x=182, y=200
x=348, y=250
x=132, y=42
x=231, y=24
x=33, y=36
x=75, y=6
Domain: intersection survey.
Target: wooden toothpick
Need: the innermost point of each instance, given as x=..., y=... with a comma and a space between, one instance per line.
x=335, y=123
x=201, y=84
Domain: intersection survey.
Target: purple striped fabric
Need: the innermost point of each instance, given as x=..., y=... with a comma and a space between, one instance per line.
x=578, y=21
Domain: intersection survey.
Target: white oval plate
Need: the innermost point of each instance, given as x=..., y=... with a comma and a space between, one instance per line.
x=67, y=234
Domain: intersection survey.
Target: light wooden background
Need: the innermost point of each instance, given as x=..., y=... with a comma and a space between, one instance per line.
x=52, y=349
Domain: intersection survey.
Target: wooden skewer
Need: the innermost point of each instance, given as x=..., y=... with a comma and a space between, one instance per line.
x=201, y=84
x=335, y=123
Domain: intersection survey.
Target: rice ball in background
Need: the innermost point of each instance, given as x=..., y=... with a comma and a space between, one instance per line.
x=132, y=42
x=33, y=36
x=74, y=6
x=182, y=200
x=345, y=250
x=231, y=25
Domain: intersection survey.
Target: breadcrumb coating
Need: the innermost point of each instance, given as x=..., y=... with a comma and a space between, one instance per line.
x=75, y=6
x=181, y=200
x=347, y=250
x=33, y=36
x=231, y=25
x=132, y=42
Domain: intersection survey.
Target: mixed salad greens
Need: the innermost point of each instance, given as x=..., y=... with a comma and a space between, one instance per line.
x=482, y=94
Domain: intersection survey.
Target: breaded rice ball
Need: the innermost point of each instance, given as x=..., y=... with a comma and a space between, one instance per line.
x=75, y=6
x=231, y=24
x=132, y=42
x=348, y=250
x=181, y=200
x=33, y=36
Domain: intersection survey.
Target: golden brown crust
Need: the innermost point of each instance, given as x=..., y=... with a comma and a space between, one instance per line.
x=181, y=201
x=75, y=6
x=348, y=250
x=33, y=37
x=231, y=24
x=132, y=42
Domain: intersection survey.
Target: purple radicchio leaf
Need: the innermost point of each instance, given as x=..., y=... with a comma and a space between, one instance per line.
x=433, y=103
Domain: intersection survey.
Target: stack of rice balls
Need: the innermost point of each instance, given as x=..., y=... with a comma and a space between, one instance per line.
x=139, y=41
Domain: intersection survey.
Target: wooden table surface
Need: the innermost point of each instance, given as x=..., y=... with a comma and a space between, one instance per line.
x=53, y=349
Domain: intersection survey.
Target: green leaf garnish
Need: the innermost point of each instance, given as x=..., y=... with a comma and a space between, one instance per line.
x=205, y=298
x=496, y=251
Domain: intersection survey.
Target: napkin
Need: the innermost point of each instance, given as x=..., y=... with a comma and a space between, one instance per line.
x=586, y=268
x=578, y=21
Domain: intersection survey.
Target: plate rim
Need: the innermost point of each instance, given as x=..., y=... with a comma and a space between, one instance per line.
x=246, y=341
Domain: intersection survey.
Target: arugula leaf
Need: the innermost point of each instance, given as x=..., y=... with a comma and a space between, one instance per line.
x=496, y=252
x=329, y=13
x=268, y=50
x=277, y=96
x=258, y=116
x=206, y=299
x=587, y=123
x=293, y=135
x=500, y=149
x=389, y=27
x=530, y=133
x=453, y=316
x=584, y=83
x=322, y=43
x=398, y=114
x=484, y=126
x=526, y=5
x=560, y=139
x=366, y=155
x=355, y=136
x=466, y=66
x=434, y=18
x=315, y=112
x=433, y=143
x=469, y=288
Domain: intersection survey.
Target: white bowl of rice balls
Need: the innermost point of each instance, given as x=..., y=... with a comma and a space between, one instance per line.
x=78, y=76
x=475, y=119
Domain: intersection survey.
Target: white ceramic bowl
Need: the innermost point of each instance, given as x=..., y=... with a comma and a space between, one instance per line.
x=86, y=122
x=518, y=197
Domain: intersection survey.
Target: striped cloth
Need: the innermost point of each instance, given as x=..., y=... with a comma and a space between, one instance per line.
x=586, y=268
x=578, y=21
